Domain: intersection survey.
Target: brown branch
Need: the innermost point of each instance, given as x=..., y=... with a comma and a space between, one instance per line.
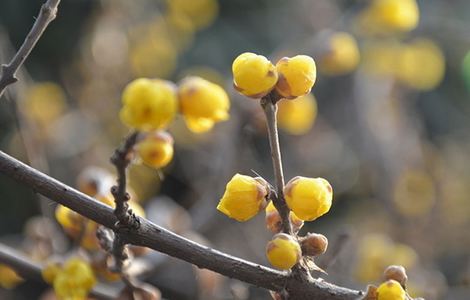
x=157, y=238
x=32, y=270
x=269, y=105
x=47, y=13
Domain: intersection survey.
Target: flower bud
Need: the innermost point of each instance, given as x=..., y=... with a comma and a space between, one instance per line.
x=244, y=197
x=283, y=251
x=297, y=76
x=9, y=279
x=308, y=198
x=148, y=104
x=202, y=103
x=314, y=244
x=253, y=75
x=156, y=149
x=391, y=290
x=397, y=273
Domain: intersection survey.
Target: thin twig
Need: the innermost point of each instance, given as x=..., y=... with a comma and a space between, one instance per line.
x=157, y=238
x=47, y=13
x=269, y=105
x=28, y=269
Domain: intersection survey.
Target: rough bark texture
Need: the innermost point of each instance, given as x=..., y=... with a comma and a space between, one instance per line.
x=162, y=240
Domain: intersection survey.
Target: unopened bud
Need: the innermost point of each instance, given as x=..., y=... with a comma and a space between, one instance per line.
x=397, y=273
x=314, y=244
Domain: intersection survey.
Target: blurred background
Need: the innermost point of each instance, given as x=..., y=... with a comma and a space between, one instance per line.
x=387, y=124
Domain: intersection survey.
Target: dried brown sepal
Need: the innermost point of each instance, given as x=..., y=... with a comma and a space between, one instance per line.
x=397, y=273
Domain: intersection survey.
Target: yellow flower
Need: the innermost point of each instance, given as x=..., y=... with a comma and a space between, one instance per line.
x=274, y=222
x=399, y=15
x=74, y=280
x=8, y=277
x=148, y=104
x=297, y=76
x=50, y=271
x=389, y=16
x=253, y=75
x=244, y=197
x=342, y=56
x=391, y=290
x=297, y=116
x=421, y=64
x=156, y=149
x=202, y=103
x=283, y=251
x=70, y=221
x=308, y=198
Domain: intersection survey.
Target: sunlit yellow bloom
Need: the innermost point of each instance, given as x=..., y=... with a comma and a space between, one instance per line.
x=421, y=64
x=308, y=198
x=202, y=103
x=244, y=197
x=342, y=56
x=389, y=16
x=297, y=76
x=74, y=280
x=148, y=104
x=8, y=277
x=283, y=252
x=156, y=149
x=391, y=290
x=274, y=222
x=253, y=75
x=296, y=116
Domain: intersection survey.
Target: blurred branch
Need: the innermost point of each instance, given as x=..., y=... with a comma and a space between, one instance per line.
x=46, y=15
x=32, y=270
x=162, y=240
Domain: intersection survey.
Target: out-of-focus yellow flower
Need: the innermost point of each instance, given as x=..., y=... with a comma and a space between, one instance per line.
x=156, y=149
x=380, y=58
x=50, y=271
x=153, y=58
x=421, y=64
x=391, y=290
x=8, y=277
x=148, y=104
x=342, y=56
x=283, y=251
x=308, y=198
x=414, y=193
x=389, y=16
x=202, y=103
x=201, y=13
x=244, y=197
x=70, y=221
x=44, y=102
x=297, y=116
x=274, y=222
x=74, y=280
x=253, y=75
x=297, y=76
x=376, y=252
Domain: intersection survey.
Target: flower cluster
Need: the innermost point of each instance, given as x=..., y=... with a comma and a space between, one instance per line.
x=72, y=280
x=305, y=199
x=150, y=105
